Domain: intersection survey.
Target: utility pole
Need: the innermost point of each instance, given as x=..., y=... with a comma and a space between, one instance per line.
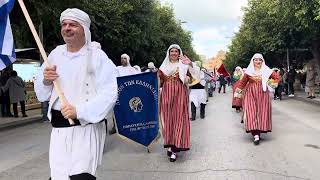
x=288, y=60
x=44, y=105
x=288, y=64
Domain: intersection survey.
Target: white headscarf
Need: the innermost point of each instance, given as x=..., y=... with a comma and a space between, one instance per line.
x=168, y=68
x=127, y=57
x=265, y=70
x=241, y=73
x=151, y=65
x=138, y=69
x=82, y=18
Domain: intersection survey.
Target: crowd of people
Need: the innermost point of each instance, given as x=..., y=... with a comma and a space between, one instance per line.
x=12, y=92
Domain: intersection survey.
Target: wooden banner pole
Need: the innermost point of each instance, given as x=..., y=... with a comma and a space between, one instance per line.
x=43, y=53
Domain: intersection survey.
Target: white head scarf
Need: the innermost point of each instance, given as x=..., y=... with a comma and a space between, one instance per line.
x=265, y=70
x=127, y=57
x=137, y=68
x=168, y=68
x=82, y=18
x=237, y=73
x=151, y=65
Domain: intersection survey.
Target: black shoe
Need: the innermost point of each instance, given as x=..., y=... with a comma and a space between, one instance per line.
x=242, y=121
x=309, y=97
x=24, y=115
x=169, y=153
x=173, y=157
x=256, y=140
x=16, y=116
x=312, y=97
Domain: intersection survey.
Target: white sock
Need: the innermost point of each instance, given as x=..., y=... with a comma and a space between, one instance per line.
x=256, y=137
x=169, y=149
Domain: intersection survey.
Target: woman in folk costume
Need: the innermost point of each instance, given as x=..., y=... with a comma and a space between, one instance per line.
x=257, y=80
x=237, y=75
x=174, y=75
x=198, y=95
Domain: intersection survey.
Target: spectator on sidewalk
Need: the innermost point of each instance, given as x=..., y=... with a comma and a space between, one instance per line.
x=285, y=80
x=5, y=98
x=279, y=89
x=291, y=79
x=16, y=87
x=311, y=80
x=222, y=83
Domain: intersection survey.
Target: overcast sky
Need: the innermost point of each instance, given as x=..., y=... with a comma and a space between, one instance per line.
x=212, y=22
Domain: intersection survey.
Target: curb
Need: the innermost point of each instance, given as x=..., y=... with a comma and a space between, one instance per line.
x=27, y=121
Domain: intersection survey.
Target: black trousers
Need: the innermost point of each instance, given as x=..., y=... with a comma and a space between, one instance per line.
x=291, y=89
x=278, y=91
x=83, y=176
x=224, y=88
x=6, y=109
x=15, y=108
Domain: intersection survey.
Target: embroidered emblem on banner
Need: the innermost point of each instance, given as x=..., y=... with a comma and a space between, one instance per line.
x=135, y=104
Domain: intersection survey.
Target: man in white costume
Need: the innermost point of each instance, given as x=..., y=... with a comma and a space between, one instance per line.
x=88, y=80
x=126, y=69
x=198, y=95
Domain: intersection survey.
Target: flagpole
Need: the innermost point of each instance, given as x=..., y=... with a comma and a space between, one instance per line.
x=43, y=53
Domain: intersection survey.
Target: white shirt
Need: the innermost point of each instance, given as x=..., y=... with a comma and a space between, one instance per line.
x=126, y=70
x=93, y=92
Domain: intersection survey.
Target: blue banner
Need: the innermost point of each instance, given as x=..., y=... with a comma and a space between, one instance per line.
x=136, y=110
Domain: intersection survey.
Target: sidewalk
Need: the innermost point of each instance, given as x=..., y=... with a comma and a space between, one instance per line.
x=12, y=122
x=302, y=96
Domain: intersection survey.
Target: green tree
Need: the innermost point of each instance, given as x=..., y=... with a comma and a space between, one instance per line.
x=141, y=28
x=272, y=26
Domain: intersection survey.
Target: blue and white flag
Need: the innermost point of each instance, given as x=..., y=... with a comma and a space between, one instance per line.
x=136, y=110
x=7, y=49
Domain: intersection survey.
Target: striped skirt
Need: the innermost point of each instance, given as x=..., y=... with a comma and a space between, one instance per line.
x=257, y=108
x=175, y=115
